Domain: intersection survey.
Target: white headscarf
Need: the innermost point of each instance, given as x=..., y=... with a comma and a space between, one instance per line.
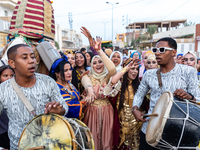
x=119, y=67
x=195, y=58
x=99, y=76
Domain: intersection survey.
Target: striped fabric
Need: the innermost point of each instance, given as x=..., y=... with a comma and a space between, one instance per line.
x=33, y=19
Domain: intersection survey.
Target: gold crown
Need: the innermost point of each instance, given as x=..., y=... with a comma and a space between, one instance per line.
x=69, y=51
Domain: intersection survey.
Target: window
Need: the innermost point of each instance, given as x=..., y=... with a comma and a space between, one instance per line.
x=190, y=47
x=5, y=13
x=182, y=48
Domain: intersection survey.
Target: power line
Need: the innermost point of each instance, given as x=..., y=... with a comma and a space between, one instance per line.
x=175, y=10
x=101, y=10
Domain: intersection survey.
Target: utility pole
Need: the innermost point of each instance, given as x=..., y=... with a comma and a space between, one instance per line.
x=112, y=16
x=70, y=21
x=104, y=29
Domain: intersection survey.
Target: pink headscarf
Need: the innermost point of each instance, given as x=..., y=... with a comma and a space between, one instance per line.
x=142, y=65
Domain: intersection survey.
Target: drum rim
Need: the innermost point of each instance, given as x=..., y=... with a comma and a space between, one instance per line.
x=61, y=117
x=158, y=133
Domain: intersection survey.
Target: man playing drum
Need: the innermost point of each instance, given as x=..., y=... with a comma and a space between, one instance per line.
x=179, y=79
x=41, y=90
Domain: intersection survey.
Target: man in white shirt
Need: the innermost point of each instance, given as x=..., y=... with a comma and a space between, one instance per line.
x=179, y=79
x=41, y=90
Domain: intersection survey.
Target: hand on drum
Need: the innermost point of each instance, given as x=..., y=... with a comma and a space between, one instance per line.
x=180, y=93
x=54, y=107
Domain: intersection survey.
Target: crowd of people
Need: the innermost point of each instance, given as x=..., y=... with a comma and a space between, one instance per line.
x=108, y=91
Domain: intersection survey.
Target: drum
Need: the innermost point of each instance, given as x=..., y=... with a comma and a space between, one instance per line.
x=177, y=125
x=55, y=132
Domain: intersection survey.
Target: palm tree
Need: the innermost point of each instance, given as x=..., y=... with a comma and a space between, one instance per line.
x=190, y=23
x=151, y=29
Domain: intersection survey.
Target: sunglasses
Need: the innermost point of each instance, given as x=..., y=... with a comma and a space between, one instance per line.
x=161, y=49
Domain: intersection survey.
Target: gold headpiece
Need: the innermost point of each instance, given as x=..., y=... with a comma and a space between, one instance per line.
x=127, y=62
x=69, y=51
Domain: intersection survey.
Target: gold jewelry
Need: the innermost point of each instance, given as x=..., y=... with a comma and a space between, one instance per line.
x=123, y=70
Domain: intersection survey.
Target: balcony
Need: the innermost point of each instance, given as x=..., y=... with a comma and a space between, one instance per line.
x=7, y=18
x=8, y=3
x=65, y=38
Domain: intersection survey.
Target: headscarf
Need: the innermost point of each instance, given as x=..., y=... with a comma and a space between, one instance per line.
x=142, y=68
x=134, y=53
x=179, y=55
x=119, y=67
x=108, y=51
x=99, y=76
x=153, y=57
x=56, y=63
x=195, y=58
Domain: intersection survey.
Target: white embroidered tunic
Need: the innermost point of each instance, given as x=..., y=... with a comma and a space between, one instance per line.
x=180, y=77
x=45, y=90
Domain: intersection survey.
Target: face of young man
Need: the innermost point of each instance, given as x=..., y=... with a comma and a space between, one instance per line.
x=167, y=56
x=24, y=63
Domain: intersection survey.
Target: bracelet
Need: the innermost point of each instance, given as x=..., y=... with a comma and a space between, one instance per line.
x=135, y=109
x=192, y=96
x=88, y=86
x=123, y=70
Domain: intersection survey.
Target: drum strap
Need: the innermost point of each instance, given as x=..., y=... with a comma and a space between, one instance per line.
x=159, y=77
x=22, y=97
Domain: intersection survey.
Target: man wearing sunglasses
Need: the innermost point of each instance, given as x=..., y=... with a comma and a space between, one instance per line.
x=179, y=79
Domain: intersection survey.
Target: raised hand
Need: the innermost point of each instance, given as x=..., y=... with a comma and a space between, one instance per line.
x=88, y=35
x=97, y=44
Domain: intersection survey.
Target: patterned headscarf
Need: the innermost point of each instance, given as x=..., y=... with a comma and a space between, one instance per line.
x=99, y=76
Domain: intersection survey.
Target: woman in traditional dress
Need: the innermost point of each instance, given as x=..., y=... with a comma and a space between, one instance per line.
x=117, y=58
x=61, y=72
x=136, y=55
x=89, y=56
x=190, y=59
x=151, y=62
x=81, y=67
x=126, y=128
x=71, y=57
x=99, y=113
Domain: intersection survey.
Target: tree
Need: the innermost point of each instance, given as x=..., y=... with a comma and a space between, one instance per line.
x=57, y=45
x=190, y=23
x=151, y=29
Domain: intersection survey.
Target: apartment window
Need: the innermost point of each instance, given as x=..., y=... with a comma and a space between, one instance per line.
x=182, y=48
x=190, y=47
x=5, y=13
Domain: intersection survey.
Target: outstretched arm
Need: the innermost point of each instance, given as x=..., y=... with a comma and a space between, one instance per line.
x=118, y=76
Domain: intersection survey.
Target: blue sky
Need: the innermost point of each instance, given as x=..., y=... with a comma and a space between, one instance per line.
x=91, y=13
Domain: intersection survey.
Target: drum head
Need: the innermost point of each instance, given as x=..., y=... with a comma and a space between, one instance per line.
x=156, y=124
x=51, y=131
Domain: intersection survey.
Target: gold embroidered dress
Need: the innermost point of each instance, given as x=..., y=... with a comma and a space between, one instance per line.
x=99, y=115
x=129, y=127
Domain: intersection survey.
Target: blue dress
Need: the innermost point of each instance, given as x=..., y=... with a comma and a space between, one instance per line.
x=72, y=99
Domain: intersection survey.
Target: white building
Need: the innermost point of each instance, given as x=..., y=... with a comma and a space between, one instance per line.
x=67, y=39
x=6, y=10
x=184, y=44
